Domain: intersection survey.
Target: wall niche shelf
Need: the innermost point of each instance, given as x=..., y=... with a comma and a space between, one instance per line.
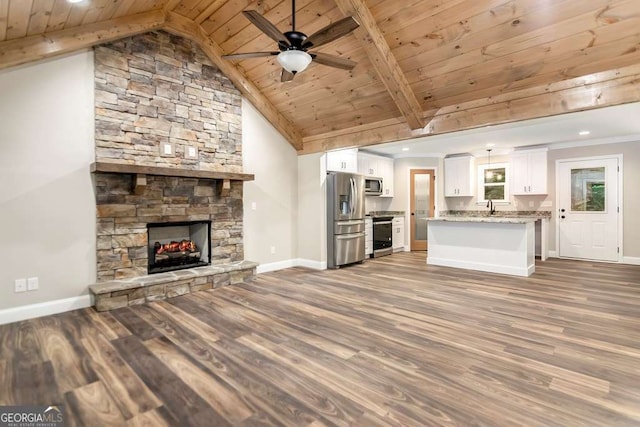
x=140, y=173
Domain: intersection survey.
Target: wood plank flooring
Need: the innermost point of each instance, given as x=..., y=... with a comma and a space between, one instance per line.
x=391, y=342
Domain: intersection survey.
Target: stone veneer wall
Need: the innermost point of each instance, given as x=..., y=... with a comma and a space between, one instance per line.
x=158, y=88
x=123, y=217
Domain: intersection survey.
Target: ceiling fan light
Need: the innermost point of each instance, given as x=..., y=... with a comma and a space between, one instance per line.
x=294, y=61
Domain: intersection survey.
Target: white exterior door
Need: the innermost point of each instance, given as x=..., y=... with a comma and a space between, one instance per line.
x=588, y=209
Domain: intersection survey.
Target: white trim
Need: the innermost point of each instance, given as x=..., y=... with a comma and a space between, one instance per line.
x=419, y=155
x=631, y=260
x=309, y=263
x=274, y=266
x=16, y=314
x=553, y=254
x=492, y=268
x=289, y=263
x=599, y=141
x=618, y=157
x=407, y=248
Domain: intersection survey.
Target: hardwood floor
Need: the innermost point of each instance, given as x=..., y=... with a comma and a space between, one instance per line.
x=390, y=342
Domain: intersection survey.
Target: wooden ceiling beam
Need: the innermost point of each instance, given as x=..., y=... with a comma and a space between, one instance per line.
x=383, y=61
x=32, y=48
x=185, y=27
x=608, y=88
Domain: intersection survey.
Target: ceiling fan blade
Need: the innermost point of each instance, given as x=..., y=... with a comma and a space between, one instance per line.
x=249, y=55
x=266, y=27
x=331, y=32
x=286, y=76
x=333, y=61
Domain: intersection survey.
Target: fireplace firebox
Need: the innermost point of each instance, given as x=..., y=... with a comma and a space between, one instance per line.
x=178, y=245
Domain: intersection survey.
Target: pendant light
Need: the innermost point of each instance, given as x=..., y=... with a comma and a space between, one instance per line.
x=488, y=175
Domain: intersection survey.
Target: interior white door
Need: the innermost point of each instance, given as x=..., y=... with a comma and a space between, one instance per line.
x=588, y=205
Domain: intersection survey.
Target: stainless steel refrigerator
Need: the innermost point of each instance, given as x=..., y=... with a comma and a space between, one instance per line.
x=345, y=219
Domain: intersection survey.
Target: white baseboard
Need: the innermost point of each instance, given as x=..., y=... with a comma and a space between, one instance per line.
x=553, y=254
x=274, y=266
x=309, y=263
x=480, y=266
x=299, y=262
x=31, y=311
x=631, y=260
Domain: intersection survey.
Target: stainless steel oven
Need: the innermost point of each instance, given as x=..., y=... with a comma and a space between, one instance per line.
x=382, y=236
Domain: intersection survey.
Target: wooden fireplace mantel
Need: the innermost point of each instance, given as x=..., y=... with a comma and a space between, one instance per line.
x=141, y=172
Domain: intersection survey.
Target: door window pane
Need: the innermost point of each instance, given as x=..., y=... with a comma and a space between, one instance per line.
x=588, y=190
x=422, y=188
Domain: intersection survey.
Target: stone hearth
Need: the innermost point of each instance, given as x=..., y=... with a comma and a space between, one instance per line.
x=123, y=293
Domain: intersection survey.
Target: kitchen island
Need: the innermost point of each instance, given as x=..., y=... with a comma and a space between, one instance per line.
x=494, y=244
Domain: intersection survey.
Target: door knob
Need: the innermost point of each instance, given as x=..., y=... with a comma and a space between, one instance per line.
x=412, y=214
x=561, y=210
x=562, y=216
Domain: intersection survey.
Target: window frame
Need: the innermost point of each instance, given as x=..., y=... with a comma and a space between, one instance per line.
x=481, y=184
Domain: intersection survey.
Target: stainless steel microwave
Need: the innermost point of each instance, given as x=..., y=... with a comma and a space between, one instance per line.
x=373, y=186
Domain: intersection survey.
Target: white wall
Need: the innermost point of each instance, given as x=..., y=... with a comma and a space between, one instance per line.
x=47, y=203
x=312, y=217
x=273, y=224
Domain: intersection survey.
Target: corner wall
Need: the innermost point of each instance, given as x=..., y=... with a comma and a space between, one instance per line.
x=274, y=193
x=47, y=204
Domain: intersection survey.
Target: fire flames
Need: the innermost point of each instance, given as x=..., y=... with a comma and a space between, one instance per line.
x=182, y=246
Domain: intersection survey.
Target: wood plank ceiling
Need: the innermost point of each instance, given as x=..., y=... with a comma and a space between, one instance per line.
x=424, y=66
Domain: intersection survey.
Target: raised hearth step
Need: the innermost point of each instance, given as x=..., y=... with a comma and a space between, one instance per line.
x=138, y=290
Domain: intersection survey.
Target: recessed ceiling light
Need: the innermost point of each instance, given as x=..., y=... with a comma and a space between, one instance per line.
x=405, y=148
x=584, y=132
x=490, y=144
x=75, y=1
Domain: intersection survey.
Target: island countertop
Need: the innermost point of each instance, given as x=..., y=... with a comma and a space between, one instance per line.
x=487, y=219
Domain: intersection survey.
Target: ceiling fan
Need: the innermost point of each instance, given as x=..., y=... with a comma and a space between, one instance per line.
x=293, y=45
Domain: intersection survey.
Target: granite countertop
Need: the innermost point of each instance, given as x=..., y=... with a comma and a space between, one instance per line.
x=488, y=219
x=499, y=214
x=378, y=214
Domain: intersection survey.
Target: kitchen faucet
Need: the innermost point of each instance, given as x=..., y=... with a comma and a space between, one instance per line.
x=492, y=209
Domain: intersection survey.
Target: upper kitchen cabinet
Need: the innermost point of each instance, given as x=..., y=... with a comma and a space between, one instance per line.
x=386, y=172
x=343, y=160
x=368, y=165
x=378, y=167
x=458, y=176
x=529, y=172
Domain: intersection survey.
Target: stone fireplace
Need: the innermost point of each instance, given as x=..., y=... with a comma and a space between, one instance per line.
x=168, y=150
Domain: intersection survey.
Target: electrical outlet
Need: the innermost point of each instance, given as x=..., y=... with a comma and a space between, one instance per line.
x=166, y=149
x=273, y=249
x=190, y=152
x=33, y=284
x=20, y=285
x=254, y=206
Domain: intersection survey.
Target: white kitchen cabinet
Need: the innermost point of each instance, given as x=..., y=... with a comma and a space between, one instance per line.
x=459, y=176
x=529, y=172
x=368, y=237
x=343, y=160
x=379, y=167
x=385, y=165
x=368, y=165
x=397, y=236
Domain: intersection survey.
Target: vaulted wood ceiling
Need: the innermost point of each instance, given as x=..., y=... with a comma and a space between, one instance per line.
x=424, y=66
